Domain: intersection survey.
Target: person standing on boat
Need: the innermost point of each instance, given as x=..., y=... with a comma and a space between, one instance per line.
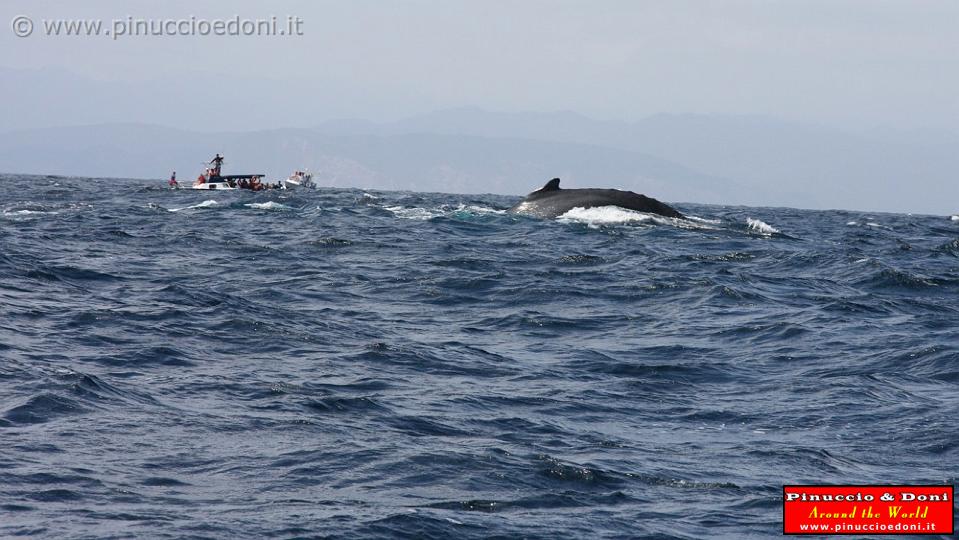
x=217, y=162
x=173, y=182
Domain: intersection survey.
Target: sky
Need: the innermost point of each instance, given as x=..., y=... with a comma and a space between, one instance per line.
x=849, y=64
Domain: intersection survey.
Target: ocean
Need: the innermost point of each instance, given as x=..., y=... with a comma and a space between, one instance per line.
x=363, y=364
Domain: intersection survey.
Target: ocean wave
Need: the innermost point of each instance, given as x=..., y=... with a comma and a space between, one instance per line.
x=761, y=226
x=704, y=220
x=478, y=210
x=330, y=242
x=415, y=213
x=27, y=210
x=470, y=374
x=600, y=216
x=604, y=215
x=269, y=205
x=205, y=204
x=29, y=213
x=424, y=214
x=43, y=408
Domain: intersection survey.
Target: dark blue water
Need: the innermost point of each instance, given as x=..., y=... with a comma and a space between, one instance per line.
x=366, y=365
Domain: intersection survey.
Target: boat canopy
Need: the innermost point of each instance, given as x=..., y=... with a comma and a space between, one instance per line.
x=235, y=177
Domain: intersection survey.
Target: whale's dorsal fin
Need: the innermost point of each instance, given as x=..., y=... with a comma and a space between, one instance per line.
x=552, y=185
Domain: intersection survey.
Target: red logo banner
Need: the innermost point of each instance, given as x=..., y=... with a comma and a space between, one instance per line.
x=868, y=510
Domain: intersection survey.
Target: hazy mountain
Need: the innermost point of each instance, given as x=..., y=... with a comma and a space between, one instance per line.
x=795, y=164
x=424, y=162
x=728, y=159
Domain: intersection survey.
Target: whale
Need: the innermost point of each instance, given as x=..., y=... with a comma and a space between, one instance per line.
x=551, y=201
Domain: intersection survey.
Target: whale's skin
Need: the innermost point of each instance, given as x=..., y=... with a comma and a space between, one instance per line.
x=551, y=201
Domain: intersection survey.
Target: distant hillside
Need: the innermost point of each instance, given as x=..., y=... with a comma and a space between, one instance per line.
x=423, y=162
x=711, y=159
x=780, y=163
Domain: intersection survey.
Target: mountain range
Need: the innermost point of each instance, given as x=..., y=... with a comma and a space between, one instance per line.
x=718, y=159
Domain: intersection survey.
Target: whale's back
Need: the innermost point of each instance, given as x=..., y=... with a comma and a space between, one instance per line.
x=551, y=201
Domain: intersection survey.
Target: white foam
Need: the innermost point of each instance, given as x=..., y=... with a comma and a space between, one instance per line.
x=704, y=220
x=204, y=204
x=421, y=214
x=29, y=213
x=615, y=215
x=603, y=215
x=424, y=214
x=15, y=214
x=954, y=218
x=269, y=205
x=853, y=223
x=472, y=209
x=761, y=226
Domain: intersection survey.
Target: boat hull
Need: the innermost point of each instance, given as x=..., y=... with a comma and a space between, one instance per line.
x=219, y=186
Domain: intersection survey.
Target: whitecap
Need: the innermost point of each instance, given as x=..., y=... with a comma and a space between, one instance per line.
x=761, y=226
x=603, y=215
x=954, y=218
x=615, y=215
x=704, y=220
x=472, y=209
x=26, y=214
x=422, y=214
x=205, y=204
x=269, y=205
x=29, y=213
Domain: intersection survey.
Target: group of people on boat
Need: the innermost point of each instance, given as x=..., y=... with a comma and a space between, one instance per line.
x=253, y=182
x=211, y=172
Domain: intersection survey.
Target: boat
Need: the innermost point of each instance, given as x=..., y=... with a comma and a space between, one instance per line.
x=212, y=182
x=212, y=179
x=299, y=179
x=252, y=182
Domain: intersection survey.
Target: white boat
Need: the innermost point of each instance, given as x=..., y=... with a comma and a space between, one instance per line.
x=217, y=184
x=299, y=179
x=211, y=179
